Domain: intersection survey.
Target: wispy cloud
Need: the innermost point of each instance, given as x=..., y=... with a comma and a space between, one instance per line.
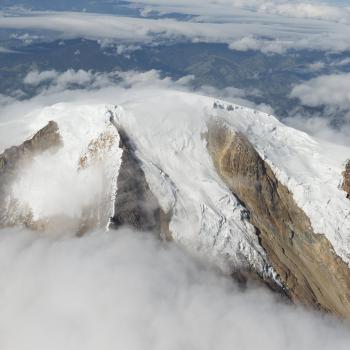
x=323, y=10
x=5, y=50
x=244, y=30
x=326, y=90
x=327, y=115
x=95, y=291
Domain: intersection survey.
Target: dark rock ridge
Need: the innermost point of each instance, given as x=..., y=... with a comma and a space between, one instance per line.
x=135, y=204
x=306, y=263
x=44, y=139
x=346, y=179
x=47, y=138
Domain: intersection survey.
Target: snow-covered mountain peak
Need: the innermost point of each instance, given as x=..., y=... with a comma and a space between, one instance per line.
x=168, y=129
x=229, y=183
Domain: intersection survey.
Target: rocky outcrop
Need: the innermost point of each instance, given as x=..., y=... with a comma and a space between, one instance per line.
x=47, y=138
x=306, y=263
x=135, y=204
x=346, y=179
x=103, y=155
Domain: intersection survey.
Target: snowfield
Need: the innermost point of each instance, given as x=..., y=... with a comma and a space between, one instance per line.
x=168, y=130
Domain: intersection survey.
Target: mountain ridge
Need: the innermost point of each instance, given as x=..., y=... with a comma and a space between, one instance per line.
x=169, y=137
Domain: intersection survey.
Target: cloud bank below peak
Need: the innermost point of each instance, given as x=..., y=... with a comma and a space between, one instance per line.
x=128, y=290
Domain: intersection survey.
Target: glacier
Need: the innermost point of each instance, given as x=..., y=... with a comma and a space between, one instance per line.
x=168, y=129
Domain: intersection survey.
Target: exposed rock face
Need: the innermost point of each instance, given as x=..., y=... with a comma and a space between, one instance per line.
x=47, y=138
x=306, y=263
x=100, y=150
x=135, y=204
x=346, y=179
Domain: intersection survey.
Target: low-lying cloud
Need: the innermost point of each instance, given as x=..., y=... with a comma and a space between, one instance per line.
x=331, y=90
x=69, y=78
x=5, y=50
x=257, y=44
x=327, y=102
x=128, y=290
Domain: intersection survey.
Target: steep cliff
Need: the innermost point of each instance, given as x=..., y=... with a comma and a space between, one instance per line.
x=64, y=181
x=44, y=139
x=47, y=138
x=135, y=204
x=305, y=261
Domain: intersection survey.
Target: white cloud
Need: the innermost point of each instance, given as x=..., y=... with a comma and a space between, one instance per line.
x=263, y=45
x=330, y=94
x=88, y=80
x=5, y=50
x=309, y=10
x=316, y=66
x=26, y=38
x=343, y=62
x=326, y=90
x=239, y=28
x=74, y=77
x=127, y=290
x=81, y=80
x=320, y=126
x=36, y=78
x=298, y=9
x=58, y=81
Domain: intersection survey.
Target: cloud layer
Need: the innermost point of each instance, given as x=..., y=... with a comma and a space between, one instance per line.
x=126, y=290
x=332, y=11
x=327, y=102
x=266, y=28
x=326, y=90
